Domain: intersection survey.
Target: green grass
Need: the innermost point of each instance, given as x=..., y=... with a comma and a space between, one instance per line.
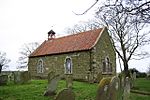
x=83, y=91
x=142, y=84
x=30, y=91
x=134, y=96
x=35, y=89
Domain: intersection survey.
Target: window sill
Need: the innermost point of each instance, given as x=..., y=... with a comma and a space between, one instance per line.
x=68, y=73
x=107, y=73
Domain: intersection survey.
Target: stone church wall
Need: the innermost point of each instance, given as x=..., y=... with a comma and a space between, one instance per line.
x=80, y=61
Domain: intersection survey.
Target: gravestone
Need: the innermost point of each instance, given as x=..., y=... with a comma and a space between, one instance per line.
x=134, y=75
x=133, y=78
x=3, y=79
x=102, y=92
x=52, y=85
x=126, y=93
x=17, y=78
x=11, y=76
x=66, y=94
x=114, y=89
x=25, y=77
x=21, y=77
x=69, y=80
x=51, y=75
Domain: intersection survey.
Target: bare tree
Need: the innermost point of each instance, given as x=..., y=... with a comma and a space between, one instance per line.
x=25, y=51
x=126, y=29
x=3, y=60
x=139, y=8
x=84, y=26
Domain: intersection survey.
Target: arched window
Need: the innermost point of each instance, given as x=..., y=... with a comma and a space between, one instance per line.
x=68, y=66
x=107, y=65
x=40, y=68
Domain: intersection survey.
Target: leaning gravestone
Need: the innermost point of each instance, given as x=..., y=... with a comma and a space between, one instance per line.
x=126, y=93
x=51, y=75
x=102, y=93
x=114, y=89
x=52, y=85
x=66, y=94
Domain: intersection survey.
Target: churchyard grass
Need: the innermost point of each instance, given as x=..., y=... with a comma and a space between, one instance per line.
x=142, y=84
x=134, y=96
x=34, y=90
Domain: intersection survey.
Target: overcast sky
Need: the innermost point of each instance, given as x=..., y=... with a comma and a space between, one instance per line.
x=25, y=21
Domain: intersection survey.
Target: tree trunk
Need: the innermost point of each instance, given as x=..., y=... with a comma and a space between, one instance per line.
x=0, y=68
x=126, y=69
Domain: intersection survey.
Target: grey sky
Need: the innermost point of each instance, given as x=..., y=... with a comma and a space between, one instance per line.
x=25, y=21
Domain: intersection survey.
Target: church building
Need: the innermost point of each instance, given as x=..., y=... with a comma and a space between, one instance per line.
x=86, y=56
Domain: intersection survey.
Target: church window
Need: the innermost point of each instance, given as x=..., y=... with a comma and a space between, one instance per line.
x=68, y=66
x=40, y=68
x=106, y=65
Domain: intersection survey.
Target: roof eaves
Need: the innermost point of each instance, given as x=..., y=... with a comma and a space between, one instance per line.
x=98, y=38
x=59, y=53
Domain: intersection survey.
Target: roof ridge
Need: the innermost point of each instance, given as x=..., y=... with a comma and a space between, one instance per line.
x=75, y=42
x=98, y=37
x=78, y=33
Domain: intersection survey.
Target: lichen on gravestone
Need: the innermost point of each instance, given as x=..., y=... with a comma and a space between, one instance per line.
x=103, y=86
x=115, y=92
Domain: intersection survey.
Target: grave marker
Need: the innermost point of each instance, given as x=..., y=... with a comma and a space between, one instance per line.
x=126, y=93
x=102, y=93
x=114, y=89
x=52, y=84
x=66, y=94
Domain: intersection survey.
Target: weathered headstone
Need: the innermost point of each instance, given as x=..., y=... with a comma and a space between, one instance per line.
x=134, y=75
x=133, y=78
x=11, y=76
x=114, y=89
x=102, y=93
x=126, y=93
x=52, y=86
x=51, y=75
x=3, y=79
x=25, y=77
x=17, y=78
x=21, y=77
x=66, y=94
x=69, y=80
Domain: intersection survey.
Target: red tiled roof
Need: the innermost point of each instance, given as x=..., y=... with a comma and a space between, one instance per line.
x=77, y=42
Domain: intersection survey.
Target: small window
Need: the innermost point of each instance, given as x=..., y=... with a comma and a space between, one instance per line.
x=107, y=65
x=68, y=66
x=104, y=66
x=40, y=68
